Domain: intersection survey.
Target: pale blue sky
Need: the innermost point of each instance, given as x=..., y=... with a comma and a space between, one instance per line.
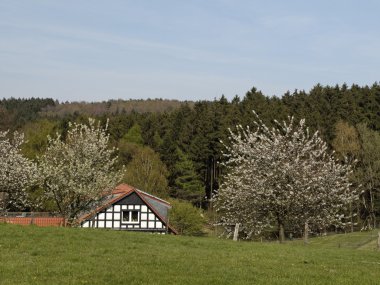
x=187, y=50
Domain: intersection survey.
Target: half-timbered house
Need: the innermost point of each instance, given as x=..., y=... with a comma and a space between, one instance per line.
x=128, y=208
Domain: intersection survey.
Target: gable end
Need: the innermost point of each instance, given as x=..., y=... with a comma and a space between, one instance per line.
x=132, y=199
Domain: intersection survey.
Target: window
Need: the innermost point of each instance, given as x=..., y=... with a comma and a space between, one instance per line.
x=131, y=216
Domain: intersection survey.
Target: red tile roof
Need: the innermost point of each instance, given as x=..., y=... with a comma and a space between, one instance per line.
x=122, y=188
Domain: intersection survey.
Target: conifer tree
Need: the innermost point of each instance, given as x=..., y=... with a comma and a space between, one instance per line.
x=187, y=184
x=368, y=174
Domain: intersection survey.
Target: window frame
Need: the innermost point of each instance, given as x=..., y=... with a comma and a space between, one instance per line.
x=130, y=216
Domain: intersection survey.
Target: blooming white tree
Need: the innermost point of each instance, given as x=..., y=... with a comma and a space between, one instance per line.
x=78, y=171
x=17, y=172
x=281, y=176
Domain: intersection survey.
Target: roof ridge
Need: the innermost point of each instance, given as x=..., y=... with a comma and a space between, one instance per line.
x=152, y=196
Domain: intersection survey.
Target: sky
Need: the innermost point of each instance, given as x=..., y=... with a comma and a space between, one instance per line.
x=187, y=50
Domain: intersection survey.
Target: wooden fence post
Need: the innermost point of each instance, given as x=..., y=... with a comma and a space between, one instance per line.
x=32, y=219
x=236, y=232
x=306, y=234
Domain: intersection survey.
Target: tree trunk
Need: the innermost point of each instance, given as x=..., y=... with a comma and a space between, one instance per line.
x=373, y=211
x=281, y=232
x=352, y=218
x=3, y=203
x=236, y=232
x=306, y=234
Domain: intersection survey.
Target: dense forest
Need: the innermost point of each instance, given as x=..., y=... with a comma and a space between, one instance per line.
x=181, y=141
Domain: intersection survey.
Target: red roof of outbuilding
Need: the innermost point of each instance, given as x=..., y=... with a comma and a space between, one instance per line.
x=38, y=221
x=122, y=188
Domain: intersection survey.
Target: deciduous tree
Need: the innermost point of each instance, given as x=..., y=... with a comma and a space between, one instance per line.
x=147, y=172
x=80, y=170
x=17, y=172
x=282, y=176
x=346, y=141
x=185, y=218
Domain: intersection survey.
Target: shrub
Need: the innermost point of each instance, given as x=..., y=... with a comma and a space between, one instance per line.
x=186, y=219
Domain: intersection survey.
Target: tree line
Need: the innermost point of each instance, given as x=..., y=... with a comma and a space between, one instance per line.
x=178, y=152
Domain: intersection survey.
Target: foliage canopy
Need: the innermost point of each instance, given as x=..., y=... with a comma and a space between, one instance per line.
x=282, y=176
x=80, y=170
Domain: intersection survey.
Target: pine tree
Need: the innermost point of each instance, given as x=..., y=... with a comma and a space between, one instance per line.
x=188, y=186
x=368, y=174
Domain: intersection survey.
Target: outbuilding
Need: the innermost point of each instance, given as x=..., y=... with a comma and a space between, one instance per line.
x=128, y=208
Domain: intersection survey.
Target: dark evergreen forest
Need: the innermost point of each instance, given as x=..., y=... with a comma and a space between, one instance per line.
x=182, y=139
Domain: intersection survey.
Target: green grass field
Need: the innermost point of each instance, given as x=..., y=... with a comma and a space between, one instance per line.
x=31, y=255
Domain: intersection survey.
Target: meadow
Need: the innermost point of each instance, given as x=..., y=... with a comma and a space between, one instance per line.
x=33, y=255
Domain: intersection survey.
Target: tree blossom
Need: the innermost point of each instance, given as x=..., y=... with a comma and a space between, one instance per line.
x=78, y=171
x=17, y=173
x=280, y=177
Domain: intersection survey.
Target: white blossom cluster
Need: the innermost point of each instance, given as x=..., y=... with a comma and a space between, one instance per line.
x=17, y=172
x=281, y=177
x=78, y=171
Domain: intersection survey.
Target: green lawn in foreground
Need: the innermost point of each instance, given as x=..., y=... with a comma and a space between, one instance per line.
x=31, y=255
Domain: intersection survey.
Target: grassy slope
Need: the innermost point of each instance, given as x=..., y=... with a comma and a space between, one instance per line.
x=31, y=255
x=357, y=240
